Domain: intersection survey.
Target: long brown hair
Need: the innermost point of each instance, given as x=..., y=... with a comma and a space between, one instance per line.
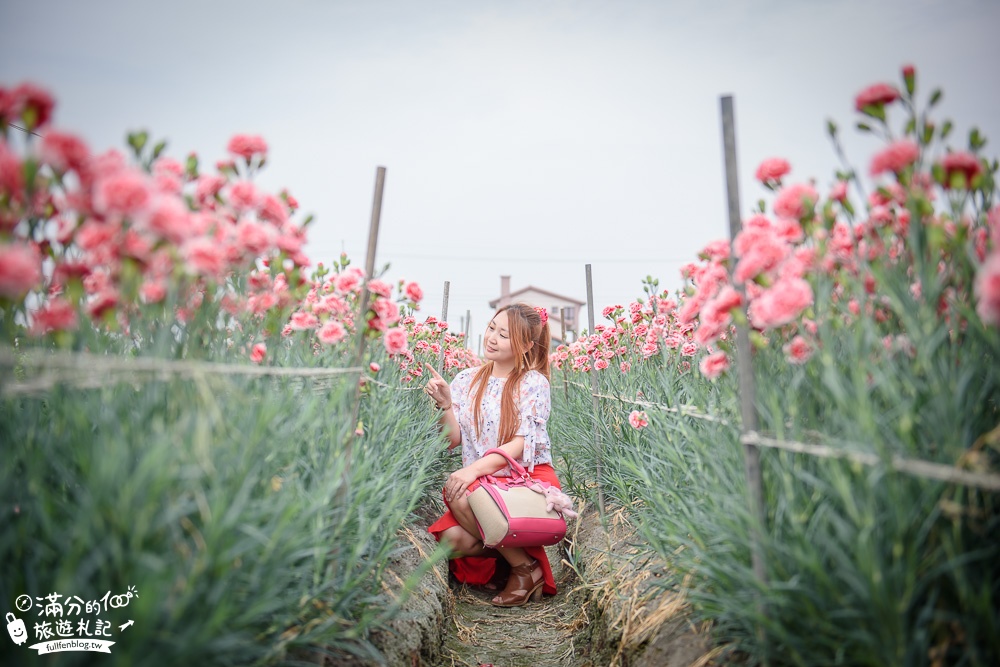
x=525, y=327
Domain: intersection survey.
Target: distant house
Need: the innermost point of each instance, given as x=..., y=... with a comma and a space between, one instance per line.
x=554, y=303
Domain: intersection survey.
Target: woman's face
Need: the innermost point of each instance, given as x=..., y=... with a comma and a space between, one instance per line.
x=496, y=342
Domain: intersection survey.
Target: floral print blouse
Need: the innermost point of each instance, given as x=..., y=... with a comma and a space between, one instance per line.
x=534, y=406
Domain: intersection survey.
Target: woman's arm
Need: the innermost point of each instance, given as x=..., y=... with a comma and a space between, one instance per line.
x=490, y=463
x=439, y=390
x=460, y=480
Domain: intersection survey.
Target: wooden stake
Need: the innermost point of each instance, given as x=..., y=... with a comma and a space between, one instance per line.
x=444, y=318
x=748, y=409
x=598, y=446
x=562, y=338
x=361, y=322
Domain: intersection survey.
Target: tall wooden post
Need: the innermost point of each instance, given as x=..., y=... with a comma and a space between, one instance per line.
x=748, y=409
x=594, y=390
x=361, y=321
x=562, y=337
x=444, y=318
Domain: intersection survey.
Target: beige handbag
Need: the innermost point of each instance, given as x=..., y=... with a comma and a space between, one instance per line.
x=511, y=514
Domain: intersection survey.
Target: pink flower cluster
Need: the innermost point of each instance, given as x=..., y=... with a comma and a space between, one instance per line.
x=330, y=305
x=638, y=420
x=778, y=258
x=104, y=239
x=424, y=342
x=640, y=333
x=987, y=286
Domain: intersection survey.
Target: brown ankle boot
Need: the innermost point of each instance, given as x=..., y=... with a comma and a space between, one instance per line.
x=525, y=583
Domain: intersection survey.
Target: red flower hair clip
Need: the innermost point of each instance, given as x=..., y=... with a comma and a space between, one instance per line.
x=543, y=314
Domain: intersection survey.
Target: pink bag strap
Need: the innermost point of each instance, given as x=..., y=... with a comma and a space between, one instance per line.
x=514, y=465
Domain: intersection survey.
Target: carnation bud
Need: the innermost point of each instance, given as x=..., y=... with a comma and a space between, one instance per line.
x=909, y=78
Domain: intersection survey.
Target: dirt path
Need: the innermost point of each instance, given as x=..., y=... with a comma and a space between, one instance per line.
x=612, y=610
x=538, y=634
x=608, y=612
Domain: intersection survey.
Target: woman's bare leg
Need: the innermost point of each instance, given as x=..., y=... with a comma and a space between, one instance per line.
x=462, y=511
x=514, y=555
x=462, y=542
x=465, y=536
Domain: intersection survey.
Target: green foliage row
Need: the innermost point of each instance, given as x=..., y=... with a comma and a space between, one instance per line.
x=865, y=566
x=229, y=503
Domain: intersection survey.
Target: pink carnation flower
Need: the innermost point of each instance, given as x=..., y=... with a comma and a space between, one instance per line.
x=896, y=157
x=34, y=104
x=204, y=256
x=413, y=292
x=960, y=162
x=247, y=145
x=258, y=352
x=781, y=303
x=168, y=175
x=348, y=280
x=56, y=315
x=793, y=200
x=124, y=192
x=243, y=196
x=273, y=210
x=638, y=419
x=839, y=191
x=102, y=302
x=153, y=291
x=254, y=238
x=760, y=250
x=331, y=333
x=715, y=316
x=395, y=341
x=207, y=187
x=20, y=270
x=798, y=350
x=876, y=95
x=380, y=287
x=987, y=289
x=303, y=320
x=11, y=173
x=63, y=151
x=170, y=219
x=713, y=365
x=386, y=314
x=772, y=169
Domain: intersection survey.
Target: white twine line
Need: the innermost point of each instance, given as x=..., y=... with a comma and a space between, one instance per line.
x=684, y=410
x=96, y=368
x=915, y=467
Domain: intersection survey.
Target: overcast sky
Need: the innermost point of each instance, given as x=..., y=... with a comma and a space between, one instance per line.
x=525, y=138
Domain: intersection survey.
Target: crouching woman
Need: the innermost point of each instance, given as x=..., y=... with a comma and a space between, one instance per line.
x=504, y=403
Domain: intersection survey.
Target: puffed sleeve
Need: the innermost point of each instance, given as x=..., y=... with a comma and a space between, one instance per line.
x=536, y=404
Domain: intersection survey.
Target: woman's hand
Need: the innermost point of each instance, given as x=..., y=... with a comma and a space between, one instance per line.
x=458, y=483
x=438, y=389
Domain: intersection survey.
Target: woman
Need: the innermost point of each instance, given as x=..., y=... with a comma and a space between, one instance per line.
x=503, y=403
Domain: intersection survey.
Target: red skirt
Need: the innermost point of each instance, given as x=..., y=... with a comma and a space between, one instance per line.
x=478, y=570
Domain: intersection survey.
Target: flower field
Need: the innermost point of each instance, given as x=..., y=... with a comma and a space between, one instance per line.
x=874, y=327
x=191, y=409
